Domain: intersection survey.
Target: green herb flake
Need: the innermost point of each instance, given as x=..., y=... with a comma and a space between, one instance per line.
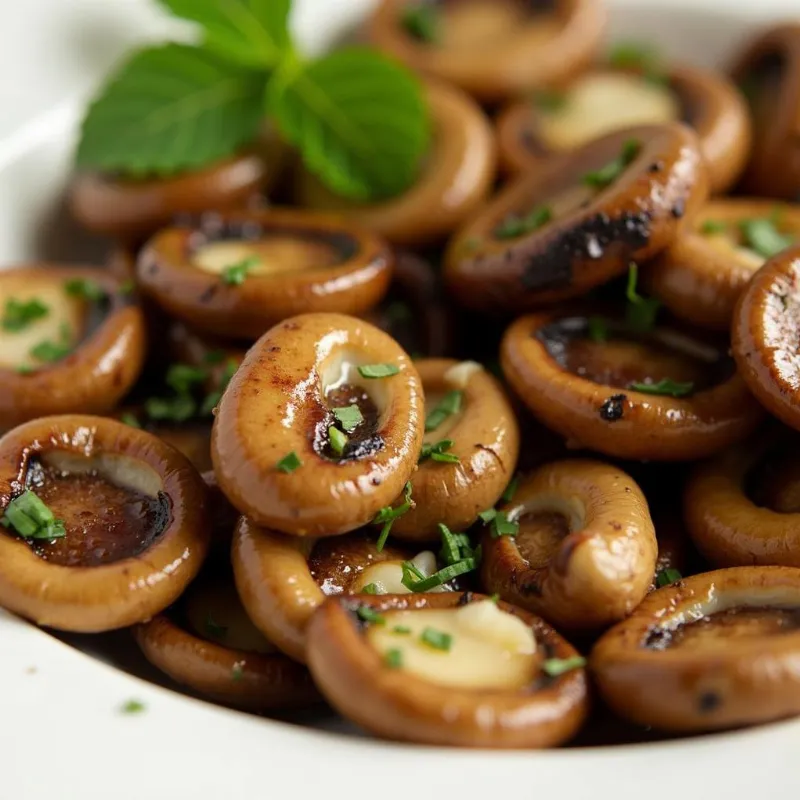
x=499, y=523
x=132, y=707
x=170, y=409
x=387, y=515
x=494, y=598
x=558, y=666
x=30, y=518
x=550, y=100
x=370, y=615
x=416, y=582
x=370, y=588
x=214, y=629
x=212, y=357
x=393, y=658
x=665, y=387
x=338, y=440
x=85, y=289
x=129, y=419
x=235, y=274
x=514, y=226
x=438, y=640
x=510, y=490
x=237, y=671
x=640, y=312
x=422, y=21
x=18, y=315
x=438, y=452
x=212, y=399
x=713, y=226
x=450, y=404
x=401, y=630
x=25, y=369
x=378, y=370
x=289, y=463
x=451, y=551
x=127, y=287
x=184, y=377
x=49, y=351
x=639, y=57
x=763, y=237
x=597, y=329
x=665, y=577
x=349, y=417
x=612, y=171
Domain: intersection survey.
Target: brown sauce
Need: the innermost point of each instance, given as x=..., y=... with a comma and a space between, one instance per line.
x=540, y=535
x=364, y=440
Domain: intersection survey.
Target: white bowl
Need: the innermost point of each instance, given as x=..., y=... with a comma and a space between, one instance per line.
x=61, y=731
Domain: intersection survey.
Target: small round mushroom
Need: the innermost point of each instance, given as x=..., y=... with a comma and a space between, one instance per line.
x=469, y=419
x=447, y=669
x=662, y=394
x=579, y=221
x=716, y=650
x=208, y=644
x=764, y=336
x=607, y=100
x=585, y=551
x=493, y=49
x=71, y=340
x=236, y=274
x=768, y=73
x=104, y=525
x=320, y=427
x=701, y=275
x=455, y=180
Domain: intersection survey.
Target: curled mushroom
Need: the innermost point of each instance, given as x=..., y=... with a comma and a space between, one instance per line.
x=469, y=451
x=447, y=669
x=661, y=394
x=236, y=274
x=606, y=100
x=208, y=644
x=456, y=178
x=764, y=335
x=71, y=339
x=768, y=73
x=579, y=221
x=701, y=275
x=104, y=525
x=320, y=427
x=584, y=551
x=491, y=48
x=716, y=650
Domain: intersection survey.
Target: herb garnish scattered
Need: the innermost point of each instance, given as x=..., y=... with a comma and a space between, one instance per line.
x=448, y=405
x=558, y=666
x=763, y=237
x=422, y=21
x=349, y=417
x=438, y=452
x=606, y=175
x=597, y=329
x=640, y=313
x=394, y=658
x=549, y=100
x=386, y=516
x=235, y=274
x=85, y=289
x=401, y=629
x=667, y=576
x=337, y=439
x=438, y=640
x=514, y=226
x=129, y=419
x=173, y=409
x=456, y=552
x=30, y=518
x=665, y=387
x=711, y=226
x=370, y=615
x=378, y=370
x=289, y=463
x=641, y=57
x=370, y=588
x=510, y=490
x=214, y=629
x=184, y=377
x=499, y=523
x=132, y=707
x=211, y=400
x=18, y=314
x=50, y=351
x=237, y=671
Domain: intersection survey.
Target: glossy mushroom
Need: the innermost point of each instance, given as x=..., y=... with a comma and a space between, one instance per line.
x=606, y=100
x=461, y=671
x=454, y=181
x=579, y=221
x=71, y=340
x=238, y=273
x=283, y=456
x=764, y=336
x=665, y=395
x=586, y=551
x=701, y=275
x=493, y=49
x=135, y=529
x=468, y=418
x=717, y=650
x=768, y=73
x=208, y=644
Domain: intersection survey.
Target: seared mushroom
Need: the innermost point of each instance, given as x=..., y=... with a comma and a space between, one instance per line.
x=447, y=669
x=768, y=73
x=71, y=340
x=104, y=525
x=208, y=644
x=716, y=650
x=455, y=180
x=580, y=549
x=701, y=275
x=469, y=451
x=658, y=394
x=236, y=274
x=607, y=100
x=579, y=221
x=764, y=336
x=493, y=49
x=320, y=427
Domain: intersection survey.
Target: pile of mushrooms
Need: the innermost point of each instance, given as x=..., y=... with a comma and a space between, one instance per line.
x=446, y=460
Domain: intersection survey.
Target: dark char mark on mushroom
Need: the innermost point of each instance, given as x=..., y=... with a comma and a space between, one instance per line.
x=708, y=702
x=613, y=408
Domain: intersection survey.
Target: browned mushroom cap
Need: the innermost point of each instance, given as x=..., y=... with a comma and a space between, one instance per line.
x=454, y=182
x=477, y=427
x=70, y=340
x=663, y=395
x=579, y=221
x=493, y=48
x=208, y=644
x=274, y=451
x=447, y=669
x=283, y=579
x=764, y=336
x=219, y=357
x=132, y=209
x=134, y=513
x=586, y=550
x=716, y=650
x=768, y=73
x=607, y=100
x=701, y=275
x=241, y=272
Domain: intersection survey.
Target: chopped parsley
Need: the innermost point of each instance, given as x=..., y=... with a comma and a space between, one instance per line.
x=510, y=490
x=450, y=404
x=212, y=357
x=422, y=21
x=18, y=315
x=378, y=370
x=438, y=452
x=438, y=640
x=132, y=707
x=763, y=237
x=337, y=439
x=349, y=417
x=235, y=274
x=393, y=658
x=640, y=313
x=49, y=351
x=387, y=515
x=597, y=329
x=606, y=175
x=711, y=226
x=667, y=576
x=558, y=666
x=85, y=289
x=171, y=409
x=514, y=226
x=640, y=57
x=367, y=614
x=237, y=671
x=401, y=630
x=289, y=463
x=183, y=378
x=370, y=588
x=416, y=582
x=499, y=523
x=211, y=400
x=30, y=518
x=549, y=100
x=665, y=387
x=214, y=629
x=129, y=419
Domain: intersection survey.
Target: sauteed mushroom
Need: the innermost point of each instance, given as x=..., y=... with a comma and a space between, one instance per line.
x=104, y=525
x=492, y=48
x=236, y=274
x=579, y=221
x=320, y=427
x=447, y=669
x=716, y=650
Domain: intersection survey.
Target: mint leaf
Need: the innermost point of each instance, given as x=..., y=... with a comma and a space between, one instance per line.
x=170, y=108
x=358, y=119
x=254, y=33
